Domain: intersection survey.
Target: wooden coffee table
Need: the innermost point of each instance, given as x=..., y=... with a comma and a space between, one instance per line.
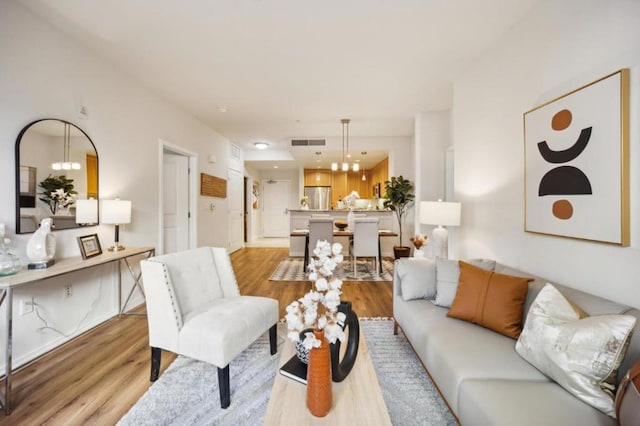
x=357, y=400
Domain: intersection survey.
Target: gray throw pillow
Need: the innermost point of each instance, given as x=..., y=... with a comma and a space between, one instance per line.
x=447, y=275
x=417, y=277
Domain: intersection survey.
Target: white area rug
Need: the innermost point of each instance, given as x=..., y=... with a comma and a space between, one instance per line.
x=187, y=392
x=291, y=269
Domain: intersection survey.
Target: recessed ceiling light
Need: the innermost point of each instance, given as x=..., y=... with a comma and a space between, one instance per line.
x=275, y=167
x=261, y=145
x=222, y=108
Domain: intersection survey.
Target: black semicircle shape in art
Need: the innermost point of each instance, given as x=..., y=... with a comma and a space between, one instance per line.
x=568, y=154
x=564, y=180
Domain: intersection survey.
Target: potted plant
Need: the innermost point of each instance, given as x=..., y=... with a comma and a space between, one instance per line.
x=399, y=196
x=57, y=192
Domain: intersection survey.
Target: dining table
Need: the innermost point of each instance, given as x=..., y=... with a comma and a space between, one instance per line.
x=340, y=233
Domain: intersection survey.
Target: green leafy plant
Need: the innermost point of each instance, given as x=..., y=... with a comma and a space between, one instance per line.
x=57, y=191
x=399, y=196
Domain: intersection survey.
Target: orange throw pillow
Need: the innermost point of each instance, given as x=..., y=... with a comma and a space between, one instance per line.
x=489, y=299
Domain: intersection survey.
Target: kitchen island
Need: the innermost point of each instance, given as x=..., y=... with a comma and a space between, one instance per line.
x=299, y=219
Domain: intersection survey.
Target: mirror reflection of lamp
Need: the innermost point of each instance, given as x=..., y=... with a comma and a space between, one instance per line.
x=442, y=214
x=87, y=211
x=116, y=212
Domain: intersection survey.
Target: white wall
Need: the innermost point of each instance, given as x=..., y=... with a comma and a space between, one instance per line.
x=44, y=74
x=558, y=47
x=432, y=138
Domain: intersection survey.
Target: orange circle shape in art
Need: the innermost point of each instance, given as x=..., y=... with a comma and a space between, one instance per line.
x=562, y=209
x=561, y=120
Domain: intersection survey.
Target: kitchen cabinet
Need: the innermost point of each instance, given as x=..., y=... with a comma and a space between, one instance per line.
x=319, y=177
x=339, y=187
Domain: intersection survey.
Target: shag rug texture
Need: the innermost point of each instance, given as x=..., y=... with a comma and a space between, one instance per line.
x=187, y=392
x=291, y=269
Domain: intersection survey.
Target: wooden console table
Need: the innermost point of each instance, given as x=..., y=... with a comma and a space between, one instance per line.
x=61, y=267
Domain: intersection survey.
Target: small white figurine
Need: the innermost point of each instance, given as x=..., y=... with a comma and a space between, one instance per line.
x=42, y=246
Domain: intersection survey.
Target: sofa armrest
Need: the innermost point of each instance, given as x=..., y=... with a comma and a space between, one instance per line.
x=397, y=288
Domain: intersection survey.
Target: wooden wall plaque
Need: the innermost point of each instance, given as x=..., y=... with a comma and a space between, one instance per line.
x=212, y=186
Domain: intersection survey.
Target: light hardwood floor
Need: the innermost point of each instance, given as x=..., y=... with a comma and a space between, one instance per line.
x=97, y=377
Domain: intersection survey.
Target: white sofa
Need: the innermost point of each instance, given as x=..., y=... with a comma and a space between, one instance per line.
x=478, y=372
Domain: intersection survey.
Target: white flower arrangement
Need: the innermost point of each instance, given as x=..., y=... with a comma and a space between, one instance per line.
x=63, y=198
x=350, y=200
x=318, y=309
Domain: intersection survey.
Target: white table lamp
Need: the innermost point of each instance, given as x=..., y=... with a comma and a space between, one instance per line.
x=442, y=214
x=116, y=212
x=87, y=211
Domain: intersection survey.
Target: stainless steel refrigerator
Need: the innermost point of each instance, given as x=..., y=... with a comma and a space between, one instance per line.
x=319, y=197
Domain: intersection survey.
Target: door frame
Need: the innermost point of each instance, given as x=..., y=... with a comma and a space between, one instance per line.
x=163, y=146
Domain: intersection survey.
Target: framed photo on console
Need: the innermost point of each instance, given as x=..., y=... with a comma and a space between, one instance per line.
x=89, y=246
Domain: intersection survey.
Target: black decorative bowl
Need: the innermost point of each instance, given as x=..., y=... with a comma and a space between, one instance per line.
x=341, y=225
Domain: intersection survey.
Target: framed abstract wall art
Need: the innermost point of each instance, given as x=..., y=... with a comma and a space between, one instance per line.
x=576, y=151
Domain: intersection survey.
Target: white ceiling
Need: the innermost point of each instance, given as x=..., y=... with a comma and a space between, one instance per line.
x=288, y=69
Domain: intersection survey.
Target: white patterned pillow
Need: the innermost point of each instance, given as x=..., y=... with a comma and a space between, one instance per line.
x=582, y=354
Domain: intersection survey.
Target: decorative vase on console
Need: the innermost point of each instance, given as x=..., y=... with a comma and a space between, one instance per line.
x=9, y=263
x=42, y=246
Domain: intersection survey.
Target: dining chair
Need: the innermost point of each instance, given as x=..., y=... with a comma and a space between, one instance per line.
x=320, y=229
x=194, y=308
x=365, y=242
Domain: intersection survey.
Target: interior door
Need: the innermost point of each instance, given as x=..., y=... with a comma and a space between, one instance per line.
x=175, y=202
x=236, y=216
x=275, y=214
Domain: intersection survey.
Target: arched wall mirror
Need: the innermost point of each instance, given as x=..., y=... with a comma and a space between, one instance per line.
x=56, y=167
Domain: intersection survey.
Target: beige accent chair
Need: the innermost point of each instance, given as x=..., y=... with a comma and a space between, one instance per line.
x=194, y=308
x=365, y=242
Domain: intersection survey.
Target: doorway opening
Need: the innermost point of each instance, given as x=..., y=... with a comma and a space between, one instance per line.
x=177, y=198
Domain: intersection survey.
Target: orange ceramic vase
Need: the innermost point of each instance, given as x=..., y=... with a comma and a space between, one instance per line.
x=319, y=396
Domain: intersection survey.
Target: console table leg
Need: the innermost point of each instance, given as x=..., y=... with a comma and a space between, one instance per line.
x=5, y=399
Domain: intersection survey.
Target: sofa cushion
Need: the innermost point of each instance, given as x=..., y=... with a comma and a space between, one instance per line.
x=581, y=354
x=457, y=351
x=523, y=403
x=447, y=275
x=489, y=299
x=418, y=278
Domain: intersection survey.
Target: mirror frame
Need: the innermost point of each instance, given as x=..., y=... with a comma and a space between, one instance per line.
x=17, y=170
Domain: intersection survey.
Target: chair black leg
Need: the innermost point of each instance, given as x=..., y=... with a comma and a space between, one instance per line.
x=273, y=334
x=223, y=384
x=156, y=353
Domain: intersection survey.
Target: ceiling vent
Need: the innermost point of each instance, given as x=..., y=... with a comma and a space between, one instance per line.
x=308, y=142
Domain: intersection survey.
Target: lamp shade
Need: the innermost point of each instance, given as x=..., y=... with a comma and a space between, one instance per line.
x=116, y=211
x=87, y=211
x=439, y=213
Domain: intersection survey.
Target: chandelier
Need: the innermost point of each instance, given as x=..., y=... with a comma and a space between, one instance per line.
x=345, y=153
x=66, y=164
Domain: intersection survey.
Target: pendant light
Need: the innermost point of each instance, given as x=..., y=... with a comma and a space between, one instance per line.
x=345, y=152
x=66, y=164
